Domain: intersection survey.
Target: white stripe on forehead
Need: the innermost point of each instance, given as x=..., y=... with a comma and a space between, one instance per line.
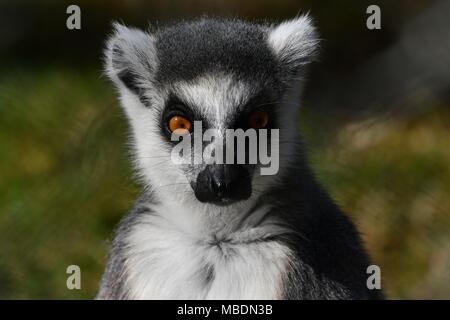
x=216, y=97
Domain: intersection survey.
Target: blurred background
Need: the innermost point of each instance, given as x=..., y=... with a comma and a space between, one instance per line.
x=375, y=115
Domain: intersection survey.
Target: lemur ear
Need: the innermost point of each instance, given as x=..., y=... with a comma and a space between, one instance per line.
x=130, y=58
x=294, y=42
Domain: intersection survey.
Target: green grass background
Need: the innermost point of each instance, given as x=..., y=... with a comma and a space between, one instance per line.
x=66, y=180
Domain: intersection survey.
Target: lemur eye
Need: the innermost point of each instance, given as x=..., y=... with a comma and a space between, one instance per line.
x=258, y=120
x=180, y=125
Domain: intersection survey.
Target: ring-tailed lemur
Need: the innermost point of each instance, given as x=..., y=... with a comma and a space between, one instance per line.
x=222, y=231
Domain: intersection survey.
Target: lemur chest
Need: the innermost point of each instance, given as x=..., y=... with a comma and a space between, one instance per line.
x=162, y=263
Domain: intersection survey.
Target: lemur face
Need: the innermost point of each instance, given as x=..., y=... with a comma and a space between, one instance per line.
x=217, y=102
x=201, y=75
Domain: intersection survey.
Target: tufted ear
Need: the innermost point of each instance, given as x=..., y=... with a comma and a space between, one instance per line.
x=130, y=59
x=294, y=42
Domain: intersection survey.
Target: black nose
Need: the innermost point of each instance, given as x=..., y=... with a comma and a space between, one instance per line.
x=223, y=184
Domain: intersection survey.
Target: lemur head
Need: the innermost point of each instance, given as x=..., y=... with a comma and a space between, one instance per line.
x=224, y=73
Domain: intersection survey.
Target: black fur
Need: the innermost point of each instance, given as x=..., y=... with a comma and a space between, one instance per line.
x=332, y=261
x=186, y=50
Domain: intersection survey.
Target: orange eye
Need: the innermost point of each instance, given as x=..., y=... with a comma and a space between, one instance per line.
x=258, y=120
x=180, y=124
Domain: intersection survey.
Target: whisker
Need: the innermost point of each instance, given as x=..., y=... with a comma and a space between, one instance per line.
x=173, y=184
x=156, y=164
x=267, y=104
x=154, y=157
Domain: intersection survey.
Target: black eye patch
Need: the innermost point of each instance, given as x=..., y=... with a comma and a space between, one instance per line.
x=263, y=101
x=177, y=107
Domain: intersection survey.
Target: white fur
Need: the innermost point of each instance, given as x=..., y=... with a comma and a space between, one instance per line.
x=216, y=96
x=167, y=262
x=131, y=49
x=295, y=41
